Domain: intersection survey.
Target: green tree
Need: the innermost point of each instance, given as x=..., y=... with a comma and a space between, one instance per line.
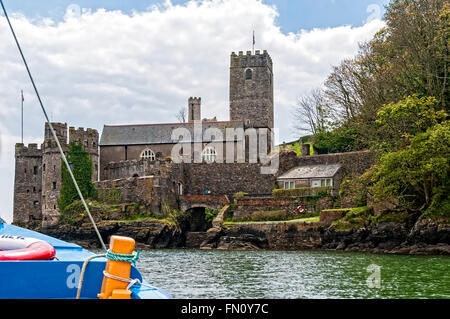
x=400, y=121
x=418, y=176
x=82, y=169
x=409, y=56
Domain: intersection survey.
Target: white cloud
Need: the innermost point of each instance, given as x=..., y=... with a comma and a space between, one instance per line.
x=107, y=67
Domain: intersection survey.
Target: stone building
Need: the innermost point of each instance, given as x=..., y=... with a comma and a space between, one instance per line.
x=311, y=176
x=37, y=181
x=251, y=107
x=136, y=162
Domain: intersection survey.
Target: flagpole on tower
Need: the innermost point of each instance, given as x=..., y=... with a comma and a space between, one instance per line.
x=22, y=114
x=254, y=41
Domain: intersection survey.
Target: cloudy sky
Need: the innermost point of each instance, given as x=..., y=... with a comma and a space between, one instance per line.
x=102, y=62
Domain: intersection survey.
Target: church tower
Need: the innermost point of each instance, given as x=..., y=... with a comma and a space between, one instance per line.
x=251, y=89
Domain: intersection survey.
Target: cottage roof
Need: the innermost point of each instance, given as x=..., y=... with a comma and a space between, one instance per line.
x=312, y=171
x=162, y=133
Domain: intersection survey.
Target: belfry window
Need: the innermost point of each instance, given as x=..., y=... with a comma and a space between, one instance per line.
x=148, y=154
x=209, y=155
x=248, y=74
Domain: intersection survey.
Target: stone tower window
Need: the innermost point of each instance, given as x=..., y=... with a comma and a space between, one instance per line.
x=148, y=154
x=248, y=74
x=209, y=155
x=35, y=170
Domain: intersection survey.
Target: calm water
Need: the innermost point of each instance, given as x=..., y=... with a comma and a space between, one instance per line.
x=275, y=274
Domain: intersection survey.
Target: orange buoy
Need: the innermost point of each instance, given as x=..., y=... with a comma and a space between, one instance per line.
x=113, y=288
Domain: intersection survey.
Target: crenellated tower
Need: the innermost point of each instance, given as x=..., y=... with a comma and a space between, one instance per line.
x=28, y=183
x=51, y=172
x=251, y=91
x=194, y=109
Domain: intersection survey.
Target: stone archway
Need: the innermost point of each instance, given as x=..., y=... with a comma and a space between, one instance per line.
x=196, y=219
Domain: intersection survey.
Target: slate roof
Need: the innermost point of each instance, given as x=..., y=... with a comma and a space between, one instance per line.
x=142, y=134
x=312, y=171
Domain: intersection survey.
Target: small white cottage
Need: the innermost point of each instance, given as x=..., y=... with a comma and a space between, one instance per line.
x=310, y=176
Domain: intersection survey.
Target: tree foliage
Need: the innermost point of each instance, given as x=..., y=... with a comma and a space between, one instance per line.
x=410, y=56
x=82, y=170
x=394, y=96
x=400, y=121
x=418, y=175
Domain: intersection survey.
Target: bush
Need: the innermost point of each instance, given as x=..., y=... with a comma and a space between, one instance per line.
x=271, y=215
x=210, y=214
x=240, y=195
x=303, y=191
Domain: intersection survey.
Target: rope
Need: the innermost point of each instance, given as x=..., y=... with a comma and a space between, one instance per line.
x=83, y=269
x=131, y=258
x=52, y=130
x=131, y=282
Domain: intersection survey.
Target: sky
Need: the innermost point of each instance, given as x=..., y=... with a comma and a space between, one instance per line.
x=103, y=62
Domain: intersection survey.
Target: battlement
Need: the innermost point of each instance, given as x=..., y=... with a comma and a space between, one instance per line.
x=88, y=138
x=32, y=150
x=90, y=132
x=195, y=99
x=60, y=130
x=251, y=60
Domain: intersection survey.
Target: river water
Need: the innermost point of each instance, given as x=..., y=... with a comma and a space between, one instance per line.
x=295, y=274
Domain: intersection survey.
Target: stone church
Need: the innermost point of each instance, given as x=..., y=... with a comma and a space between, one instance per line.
x=38, y=169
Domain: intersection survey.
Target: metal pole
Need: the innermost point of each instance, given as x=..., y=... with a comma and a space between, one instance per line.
x=21, y=97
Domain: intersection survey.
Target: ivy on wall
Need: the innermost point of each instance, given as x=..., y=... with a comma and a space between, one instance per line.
x=82, y=169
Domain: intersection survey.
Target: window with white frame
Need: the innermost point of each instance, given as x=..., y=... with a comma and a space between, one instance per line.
x=148, y=154
x=289, y=184
x=324, y=182
x=209, y=155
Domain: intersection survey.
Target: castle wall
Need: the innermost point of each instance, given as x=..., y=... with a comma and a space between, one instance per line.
x=111, y=156
x=28, y=183
x=353, y=163
x=227, y=179
x=89, y=139
x=51, y=181
x=38, y=180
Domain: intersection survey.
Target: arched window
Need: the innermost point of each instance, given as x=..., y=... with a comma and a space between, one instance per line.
x=209, y=155
x=148, y=155
x=248, y=74
x=180, y=188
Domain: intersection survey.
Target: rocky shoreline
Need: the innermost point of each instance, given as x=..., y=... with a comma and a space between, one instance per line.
x=426, y=236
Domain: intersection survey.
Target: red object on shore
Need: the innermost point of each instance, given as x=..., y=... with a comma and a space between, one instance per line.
x=20, y=248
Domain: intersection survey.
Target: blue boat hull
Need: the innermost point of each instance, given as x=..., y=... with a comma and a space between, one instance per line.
x=58, y=278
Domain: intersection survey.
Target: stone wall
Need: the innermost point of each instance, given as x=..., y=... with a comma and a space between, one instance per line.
x=227, y=179
x=286, y=236
x=38, y=181
x=353, y=163
x=245, y=207
x=130, y=190
x=28, y=183
x=328, y=216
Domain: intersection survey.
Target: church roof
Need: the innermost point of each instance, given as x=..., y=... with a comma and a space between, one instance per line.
x=312, y=171
x=142, y=134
